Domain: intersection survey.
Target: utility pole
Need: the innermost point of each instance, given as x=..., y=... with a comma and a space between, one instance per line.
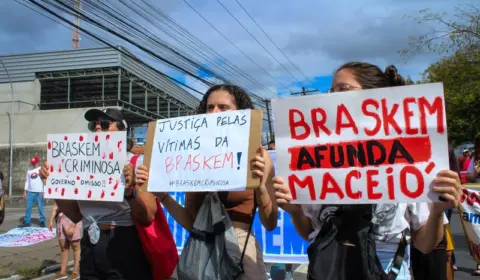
x=270, y=129
x=304, y=91
x=75, y=31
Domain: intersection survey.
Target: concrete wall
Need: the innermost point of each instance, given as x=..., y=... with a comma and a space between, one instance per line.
x=30, y=138
x=27, y=92
x=33, y=127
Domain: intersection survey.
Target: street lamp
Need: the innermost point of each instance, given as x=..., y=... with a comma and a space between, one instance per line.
x=10, y=175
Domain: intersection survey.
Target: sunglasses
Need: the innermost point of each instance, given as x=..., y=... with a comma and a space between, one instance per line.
x=104, y=125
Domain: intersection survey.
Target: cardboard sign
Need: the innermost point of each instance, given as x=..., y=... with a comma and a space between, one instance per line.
x=209, y=152
x=86, y=166
x=374, y=146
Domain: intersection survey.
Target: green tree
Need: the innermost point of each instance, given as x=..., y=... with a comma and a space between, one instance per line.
x=458, y=32
x=460, y=74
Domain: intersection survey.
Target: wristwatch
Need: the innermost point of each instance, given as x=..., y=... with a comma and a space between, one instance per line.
x=130, y=193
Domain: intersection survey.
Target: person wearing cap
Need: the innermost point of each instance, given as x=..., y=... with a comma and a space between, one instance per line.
x=464, y=160
x=110, y=246
x=33, y=193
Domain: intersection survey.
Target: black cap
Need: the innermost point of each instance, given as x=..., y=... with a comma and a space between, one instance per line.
x=109, y=113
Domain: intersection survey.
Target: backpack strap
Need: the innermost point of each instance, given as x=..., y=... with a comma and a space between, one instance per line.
x=249, y=231
x=398, y=258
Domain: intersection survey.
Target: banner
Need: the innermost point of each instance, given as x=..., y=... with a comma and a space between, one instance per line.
x=470, y=216
x=375, y=146
x=20, y=237
x=282, y=245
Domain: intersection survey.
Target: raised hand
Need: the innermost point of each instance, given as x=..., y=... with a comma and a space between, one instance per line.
x=447, y=185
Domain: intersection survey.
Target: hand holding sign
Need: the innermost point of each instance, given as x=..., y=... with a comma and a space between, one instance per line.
x=44, y=173
x=141, y=175
x=283, y=196
x=262, y=166
x=448, y=186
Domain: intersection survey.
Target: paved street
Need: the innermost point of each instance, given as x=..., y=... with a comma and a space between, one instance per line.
x=13, y=260
x=24, y=259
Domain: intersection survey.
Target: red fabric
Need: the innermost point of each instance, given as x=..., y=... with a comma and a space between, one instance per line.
x=466, y=164
x=158, y=242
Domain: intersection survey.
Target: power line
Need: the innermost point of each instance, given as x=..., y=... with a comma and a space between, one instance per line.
x=271, y=40
x=191, y=43
x=109, y=44
x=109, y=30
x=226, y=38
x=254, y=38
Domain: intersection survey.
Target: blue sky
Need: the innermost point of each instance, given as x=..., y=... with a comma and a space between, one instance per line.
x=317, y=36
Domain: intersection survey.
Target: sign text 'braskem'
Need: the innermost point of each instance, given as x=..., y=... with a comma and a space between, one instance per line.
x=369, y=147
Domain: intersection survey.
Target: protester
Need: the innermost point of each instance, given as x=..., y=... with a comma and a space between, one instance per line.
x=420, y=222
x=129, y=149
x=110, y=246
x=240, y=204
x=69, y=235
x=464, y=160
x=473, y=171
x=271, y=145
x=1, y=183
x=33, y=193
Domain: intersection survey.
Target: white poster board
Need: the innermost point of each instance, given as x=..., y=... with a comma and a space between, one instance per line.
x=469, y=211
x=209, y=152
x=86, y=166
x=374, y=146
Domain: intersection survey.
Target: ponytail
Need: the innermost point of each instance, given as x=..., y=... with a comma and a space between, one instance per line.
x=393, y=77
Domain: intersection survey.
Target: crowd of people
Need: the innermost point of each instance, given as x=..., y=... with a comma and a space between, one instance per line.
x=372, y=242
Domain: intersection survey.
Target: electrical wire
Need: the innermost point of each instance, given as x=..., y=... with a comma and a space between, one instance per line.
x=271, y=40
x=123, y=23
x=256, y=40
x=226, y=38
x=107, y=43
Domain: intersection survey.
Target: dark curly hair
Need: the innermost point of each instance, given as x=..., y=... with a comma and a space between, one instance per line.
x=242, y=99
x=370, y=76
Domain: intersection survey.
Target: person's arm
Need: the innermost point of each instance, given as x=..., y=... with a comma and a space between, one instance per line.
x=178, y=212
x=427, y=237
x=447, y=186
x=52, y=217
x=143, y=205
x=265, y=193
x=26, y=186
x=302, y=223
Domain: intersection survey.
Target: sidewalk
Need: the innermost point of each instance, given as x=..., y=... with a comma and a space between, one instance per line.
x=26, y=260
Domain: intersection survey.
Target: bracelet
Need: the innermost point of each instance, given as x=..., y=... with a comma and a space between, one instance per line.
x=165, y=197
x=265, y=206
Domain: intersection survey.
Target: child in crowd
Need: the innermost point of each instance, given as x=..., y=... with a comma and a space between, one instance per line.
x=69, y=235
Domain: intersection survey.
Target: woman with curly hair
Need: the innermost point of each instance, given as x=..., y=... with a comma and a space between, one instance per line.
x=238, y=204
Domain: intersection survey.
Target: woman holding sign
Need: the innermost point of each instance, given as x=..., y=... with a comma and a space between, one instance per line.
x=352, y=225
x=111, y=247
x=240, y=205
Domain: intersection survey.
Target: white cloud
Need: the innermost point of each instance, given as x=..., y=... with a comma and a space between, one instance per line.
x=317, y=36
